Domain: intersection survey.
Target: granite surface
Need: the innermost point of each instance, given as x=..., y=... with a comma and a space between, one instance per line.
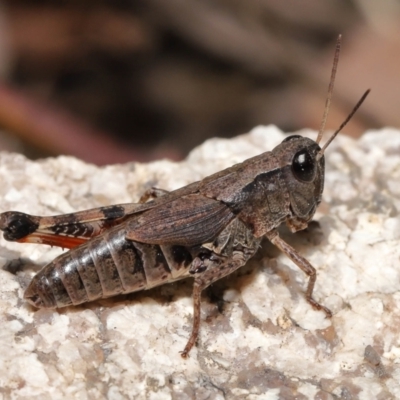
x=259, y=338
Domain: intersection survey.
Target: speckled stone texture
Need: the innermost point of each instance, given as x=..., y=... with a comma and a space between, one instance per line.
x=259, y=338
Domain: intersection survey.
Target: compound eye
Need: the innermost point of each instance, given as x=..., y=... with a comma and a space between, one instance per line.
x=303, y=166
x=291, y=138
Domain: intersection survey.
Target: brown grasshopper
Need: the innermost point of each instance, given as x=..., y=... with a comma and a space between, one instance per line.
x=205, y=230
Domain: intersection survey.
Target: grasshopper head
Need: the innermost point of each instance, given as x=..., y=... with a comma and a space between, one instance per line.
x=303, y=174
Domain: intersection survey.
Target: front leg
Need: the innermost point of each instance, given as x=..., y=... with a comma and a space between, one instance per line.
x=303, y=264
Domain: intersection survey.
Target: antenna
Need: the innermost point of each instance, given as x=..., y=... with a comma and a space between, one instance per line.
x=330, y=89
x=343, y=124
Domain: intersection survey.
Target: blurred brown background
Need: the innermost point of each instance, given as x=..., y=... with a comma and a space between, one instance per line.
x=113, y=81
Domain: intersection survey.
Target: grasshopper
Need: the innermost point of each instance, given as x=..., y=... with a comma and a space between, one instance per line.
x=205, y=230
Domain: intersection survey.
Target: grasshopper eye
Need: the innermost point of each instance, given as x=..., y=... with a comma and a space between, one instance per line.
x=303, y=166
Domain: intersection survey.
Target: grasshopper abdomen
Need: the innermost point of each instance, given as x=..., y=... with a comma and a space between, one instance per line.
x=106, y=266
